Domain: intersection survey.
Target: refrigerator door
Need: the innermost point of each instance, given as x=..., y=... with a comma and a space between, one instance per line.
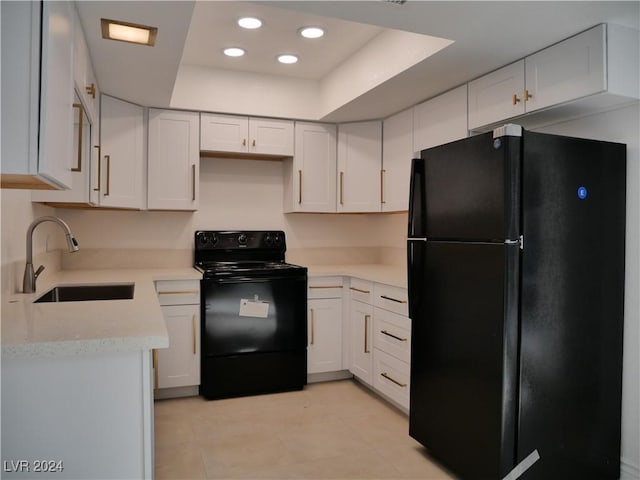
x=471, y=189
x=463, y=355
x=572, y=307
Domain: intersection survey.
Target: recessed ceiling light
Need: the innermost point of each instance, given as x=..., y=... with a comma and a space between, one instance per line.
x=287, y=58
x=311, y=32
x=250, y=22
x=128, y=32
x=234, y=52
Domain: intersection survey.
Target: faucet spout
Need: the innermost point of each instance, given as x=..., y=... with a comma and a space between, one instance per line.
x=29, y=279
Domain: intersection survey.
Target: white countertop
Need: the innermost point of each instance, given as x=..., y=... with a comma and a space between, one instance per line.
x=70, y=328
x=381, y=273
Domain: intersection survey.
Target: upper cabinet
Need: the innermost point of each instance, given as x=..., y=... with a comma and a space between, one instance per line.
x=246, y=135
x=359, y=167
x=173, y=160
x=397, y=152
x=440, y=120
x=593, y=70
x=37, y=94
x=310, y=176
x=121, y=165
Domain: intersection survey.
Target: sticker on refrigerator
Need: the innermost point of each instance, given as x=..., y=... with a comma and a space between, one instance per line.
x=254, y=308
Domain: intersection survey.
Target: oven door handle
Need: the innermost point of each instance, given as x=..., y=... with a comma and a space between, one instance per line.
x=247, y=279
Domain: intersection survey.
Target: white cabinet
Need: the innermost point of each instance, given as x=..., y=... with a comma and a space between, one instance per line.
x=37, y=94
x=397, y=152
x=359, y=167
x=246, y=135
x=173, y=160
x=83, y=73
x=310, y=176
x=441, y=119
x=179, y=365
x=361, y=321
x=325, y=326
x=122, y=172
x=591, y=71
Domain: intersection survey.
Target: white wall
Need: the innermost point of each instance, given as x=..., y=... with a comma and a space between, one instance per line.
x=623, y=126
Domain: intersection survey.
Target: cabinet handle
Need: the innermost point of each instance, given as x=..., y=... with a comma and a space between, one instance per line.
x=325, y=286
x=79, y=167
x=253, y=143
x=384, y=332
x=155, y=371
x=393, y=299
x=108, y=159
x=527, y=95
x=244, y=142
x=359, y=290
x=193, y=324
x=179, y=292
x=515, y=99
x=341, y=188
x=299, y=186
x=193, y=182
x=366, y=333
x=385, y=375
x=97, y=189
x=382, y=172
x=91, y=90
x=313, y=325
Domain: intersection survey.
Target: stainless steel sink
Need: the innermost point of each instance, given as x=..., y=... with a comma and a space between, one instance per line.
x=81, y=293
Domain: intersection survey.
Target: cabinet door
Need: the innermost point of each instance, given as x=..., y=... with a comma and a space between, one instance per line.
x=56, y=93
x=173, y=160
x=324, y=351
x=359, y=167
x=497, y=96
x=361, y=318
x=84, y=78
x=122, y=165
x=568, y=70
x=270, y=136
x=312, y=179
x=179, y=365
x=224, y=133
x=440, y=120
x=397, y=152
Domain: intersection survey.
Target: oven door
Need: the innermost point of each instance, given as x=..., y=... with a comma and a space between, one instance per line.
x=253, y=315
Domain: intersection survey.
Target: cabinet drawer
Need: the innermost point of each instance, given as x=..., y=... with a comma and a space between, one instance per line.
x=178, y=292
x=394, y=299
x=391, y=377
x=325, y=287
x=392, y=334
x=361, y=290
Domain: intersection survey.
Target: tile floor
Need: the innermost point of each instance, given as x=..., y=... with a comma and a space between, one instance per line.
x=333, y=430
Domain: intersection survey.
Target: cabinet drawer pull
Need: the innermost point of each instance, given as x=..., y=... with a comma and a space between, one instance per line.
x=359, y=290
x=244, y=142
x=254, y=143
x=193, y=183
x=325, y=286
x=193, y=325
x=97, y=189
x=515, y=99
x=393, y=336
x=299, y=186
x=393, y=299
x=382, y=172
x=527, y=95
x=108, y=159
x=155, y=371
x=366, y=333
x=385, y=375
x=80, y=121
x=341, y=188
x=91, y=90
x=313, y=322
x=179, y=292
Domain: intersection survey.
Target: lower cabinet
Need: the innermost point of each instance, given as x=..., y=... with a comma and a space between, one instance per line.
x=324, y=317
x=361, y=317
x=179, y=365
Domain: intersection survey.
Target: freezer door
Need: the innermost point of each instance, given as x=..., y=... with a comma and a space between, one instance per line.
x=463, y=356
x=572, y=307
x=472, y=189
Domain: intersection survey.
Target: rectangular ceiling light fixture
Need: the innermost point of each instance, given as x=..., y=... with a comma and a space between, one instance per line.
x=128, y=32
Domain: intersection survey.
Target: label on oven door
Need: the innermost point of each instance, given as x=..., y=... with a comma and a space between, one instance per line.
x=254, y=308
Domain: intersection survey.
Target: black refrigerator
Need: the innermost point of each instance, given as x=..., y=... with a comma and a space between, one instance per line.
x=516, y=296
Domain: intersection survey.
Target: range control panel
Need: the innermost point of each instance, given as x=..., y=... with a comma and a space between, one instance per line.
x=245, y=239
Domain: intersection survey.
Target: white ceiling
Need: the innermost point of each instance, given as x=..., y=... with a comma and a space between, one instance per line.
x=186, y=65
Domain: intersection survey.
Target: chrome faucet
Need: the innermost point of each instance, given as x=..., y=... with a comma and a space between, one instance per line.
x=29, y=280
